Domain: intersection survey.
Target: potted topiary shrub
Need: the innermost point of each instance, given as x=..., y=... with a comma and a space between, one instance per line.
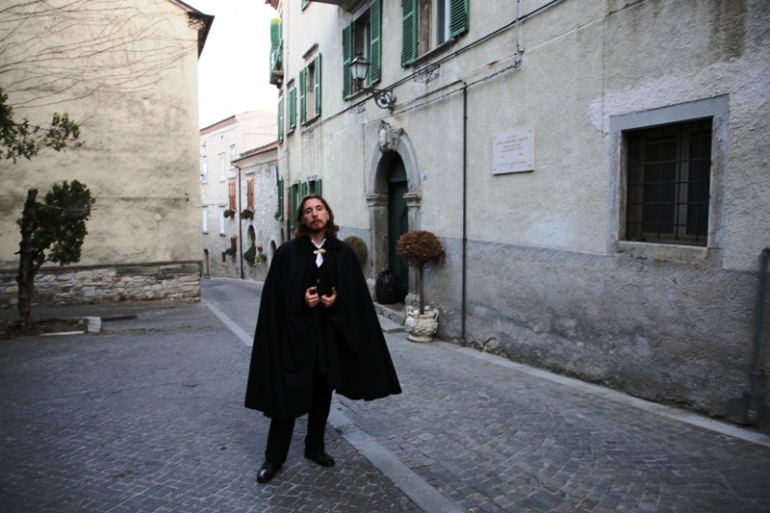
x=419, y=248
x=228, y=213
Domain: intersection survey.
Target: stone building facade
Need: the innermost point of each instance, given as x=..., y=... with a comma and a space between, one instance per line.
x=126, y=71
x=262, y=232
x=595, y=170
x=227, y=189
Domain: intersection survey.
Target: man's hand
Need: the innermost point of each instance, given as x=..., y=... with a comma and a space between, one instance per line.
x=328, y=301
x=311, y=297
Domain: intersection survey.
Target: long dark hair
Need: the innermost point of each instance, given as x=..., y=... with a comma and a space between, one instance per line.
x=302, y=230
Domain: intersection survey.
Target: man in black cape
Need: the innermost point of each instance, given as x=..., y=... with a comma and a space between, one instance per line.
x=317, y=331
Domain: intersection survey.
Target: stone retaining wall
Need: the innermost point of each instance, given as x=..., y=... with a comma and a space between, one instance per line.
x=140, y=282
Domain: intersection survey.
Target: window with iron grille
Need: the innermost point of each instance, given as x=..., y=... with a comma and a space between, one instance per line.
x=668, y=178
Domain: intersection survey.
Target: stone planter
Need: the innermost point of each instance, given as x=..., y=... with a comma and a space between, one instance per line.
x=421, y=328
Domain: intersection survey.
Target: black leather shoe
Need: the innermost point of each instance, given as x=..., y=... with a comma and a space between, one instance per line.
x=267, y=472
x=321, y=458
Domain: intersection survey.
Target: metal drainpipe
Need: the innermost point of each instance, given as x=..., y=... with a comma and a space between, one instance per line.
x=752, y=414
x=240, y=224
x=463, y=299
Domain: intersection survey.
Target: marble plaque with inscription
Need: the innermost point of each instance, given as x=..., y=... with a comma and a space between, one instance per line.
x=513, y=151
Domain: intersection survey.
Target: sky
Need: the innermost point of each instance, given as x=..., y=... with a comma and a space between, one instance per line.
x=234, y=68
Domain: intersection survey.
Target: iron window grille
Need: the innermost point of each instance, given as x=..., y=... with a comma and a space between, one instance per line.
x=669, y=174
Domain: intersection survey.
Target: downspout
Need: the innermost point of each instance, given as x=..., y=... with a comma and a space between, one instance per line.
x=463, y=292
x=240, y=225
x=752, y=414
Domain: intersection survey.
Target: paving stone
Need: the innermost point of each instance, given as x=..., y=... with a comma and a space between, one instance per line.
x=147, y=416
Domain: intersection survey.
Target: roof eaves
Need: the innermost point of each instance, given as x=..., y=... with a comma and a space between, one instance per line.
x=202, y=22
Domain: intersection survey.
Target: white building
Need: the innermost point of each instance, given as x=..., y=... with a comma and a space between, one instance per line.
x=226, y=191
x=261, y=229
x=597, y=171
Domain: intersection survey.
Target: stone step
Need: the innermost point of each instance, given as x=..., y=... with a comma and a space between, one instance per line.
x=389, y=326
x=391, y=317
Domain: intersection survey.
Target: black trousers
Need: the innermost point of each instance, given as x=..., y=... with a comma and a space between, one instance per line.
x=279, y=435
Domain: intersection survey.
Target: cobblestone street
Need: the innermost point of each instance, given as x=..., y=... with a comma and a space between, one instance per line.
x=147, y=416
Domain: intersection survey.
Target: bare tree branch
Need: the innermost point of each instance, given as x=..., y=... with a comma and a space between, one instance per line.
x=52, y=50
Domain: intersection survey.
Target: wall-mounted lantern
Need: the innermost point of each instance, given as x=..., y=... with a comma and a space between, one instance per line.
x=359, y=68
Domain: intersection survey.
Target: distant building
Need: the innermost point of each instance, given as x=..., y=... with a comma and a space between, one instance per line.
x=126, y=71
x=228, y=191
x=263, y=231
x=597, y=172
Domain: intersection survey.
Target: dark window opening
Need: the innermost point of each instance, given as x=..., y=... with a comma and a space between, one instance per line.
x=669, y=175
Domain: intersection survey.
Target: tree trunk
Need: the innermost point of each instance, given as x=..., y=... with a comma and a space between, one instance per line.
x=26, y=276
x=420, y=290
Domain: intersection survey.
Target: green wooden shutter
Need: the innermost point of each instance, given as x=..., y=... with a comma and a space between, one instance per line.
x=318, y=188
x=409, y=31
x=293, y=204
x=347, y=56
x=302, y=96
x=292, y=108
x=458, y=17
x=375, y=42
x=304, y=3
x=280, y=119
x=317, y=86
x=275, y=43
x=281, y=206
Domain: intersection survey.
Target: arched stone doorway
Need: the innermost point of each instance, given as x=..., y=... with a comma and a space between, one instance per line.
x=394, y=200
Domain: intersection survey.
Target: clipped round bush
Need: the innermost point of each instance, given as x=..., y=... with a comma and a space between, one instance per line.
x=419, y=247
x=359, y=248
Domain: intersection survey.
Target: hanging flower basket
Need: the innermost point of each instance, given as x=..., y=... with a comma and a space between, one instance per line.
x=247, y=214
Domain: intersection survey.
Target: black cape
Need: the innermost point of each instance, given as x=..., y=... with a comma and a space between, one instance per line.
x=292, y=341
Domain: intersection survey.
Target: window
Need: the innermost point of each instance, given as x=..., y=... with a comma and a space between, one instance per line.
x=281, y=202
x=204, y=171
x=298, y=191
x=276, y=51
x=428, y=24
x=669, y=171
x=250, y=193
x=295, y=196
x=222, y=221
x=314, y=187
x=205, y=219
x=669, y=163
x=232, y=195
x=310, y=90
x=363, y=37
x=222, y=176
x=292, y=107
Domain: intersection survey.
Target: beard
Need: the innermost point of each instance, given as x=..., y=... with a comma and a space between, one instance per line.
x=316, y=227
